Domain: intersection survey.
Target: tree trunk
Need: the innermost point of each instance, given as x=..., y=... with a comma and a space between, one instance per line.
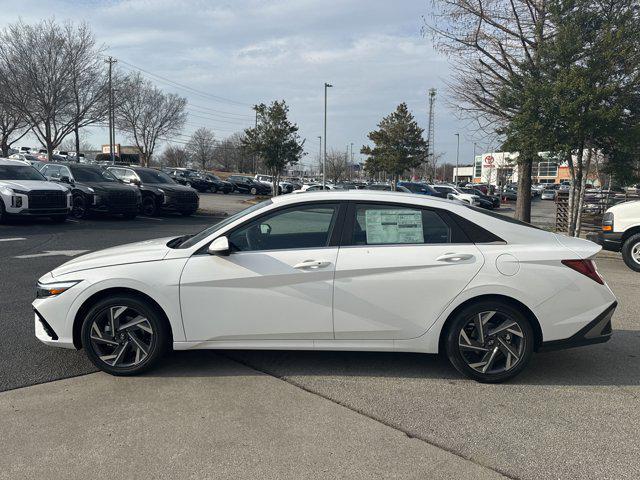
x=5, y=147
x=76, y=131
x=523, y=202
x=583, y=184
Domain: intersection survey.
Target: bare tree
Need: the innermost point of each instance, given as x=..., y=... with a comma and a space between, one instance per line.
x=231, y=156
x=71, y=143
x=337, y=165
x=13, y=126
x=174, y=156
x=491, y=42
x=202, y=145
x=148, y=114
x=89, y=81
x=38, y=81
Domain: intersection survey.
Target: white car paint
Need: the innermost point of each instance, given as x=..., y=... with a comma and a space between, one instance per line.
x=454, y=193
x=626, y=215
x=373, y=297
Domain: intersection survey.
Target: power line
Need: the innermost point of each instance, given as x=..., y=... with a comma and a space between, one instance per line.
x=186, y=87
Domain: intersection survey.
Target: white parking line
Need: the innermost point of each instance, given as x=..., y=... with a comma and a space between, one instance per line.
x=11, y=239
x=54, y=253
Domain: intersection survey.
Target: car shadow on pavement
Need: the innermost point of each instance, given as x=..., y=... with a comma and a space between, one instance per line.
x=614, y=363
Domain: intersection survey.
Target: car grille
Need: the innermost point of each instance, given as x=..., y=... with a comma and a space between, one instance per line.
x=185, y=198
x=121, y=198
x=47, y=199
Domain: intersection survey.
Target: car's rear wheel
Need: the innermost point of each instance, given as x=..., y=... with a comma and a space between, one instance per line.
x=213, y=189
x=124, y=335
x=489, y=341
x=149, y=207
x=631, y=252
x=253, y=191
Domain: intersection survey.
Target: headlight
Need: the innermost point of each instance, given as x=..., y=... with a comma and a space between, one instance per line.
x=90, y=189
x=45, y=290
x=161, y=190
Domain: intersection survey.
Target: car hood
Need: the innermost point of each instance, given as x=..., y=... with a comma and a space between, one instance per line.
x=30, y=185
x=107, y=186
x=147, y=251
x=169, y=187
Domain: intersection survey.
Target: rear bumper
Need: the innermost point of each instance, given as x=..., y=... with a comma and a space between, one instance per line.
x=611, y=241
x=596, y=331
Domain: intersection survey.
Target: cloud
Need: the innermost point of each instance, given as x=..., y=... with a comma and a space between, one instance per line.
x=255, y=51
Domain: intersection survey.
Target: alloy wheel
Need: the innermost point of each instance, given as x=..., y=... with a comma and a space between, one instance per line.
x=491, y=342
x=121, y=336
x=635, y=253
x=79, y=209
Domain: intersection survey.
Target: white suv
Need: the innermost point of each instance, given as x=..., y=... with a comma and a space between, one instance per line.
x=25, y=192
x=621, y=232
x=453, y=193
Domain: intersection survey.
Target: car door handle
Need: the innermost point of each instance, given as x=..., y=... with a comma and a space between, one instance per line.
x=455, y=257
x=312, y=264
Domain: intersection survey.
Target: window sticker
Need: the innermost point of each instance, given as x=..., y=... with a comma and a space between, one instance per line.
x=394, y=226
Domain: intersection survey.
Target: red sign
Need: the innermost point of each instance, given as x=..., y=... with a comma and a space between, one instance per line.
x=488, y=161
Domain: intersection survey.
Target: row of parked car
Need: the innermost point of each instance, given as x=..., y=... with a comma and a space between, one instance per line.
x=61, y=189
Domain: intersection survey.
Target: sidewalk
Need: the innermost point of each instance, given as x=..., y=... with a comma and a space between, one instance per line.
x=204, y=416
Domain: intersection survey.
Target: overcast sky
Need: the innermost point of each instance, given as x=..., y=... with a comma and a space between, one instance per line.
x=250, y=51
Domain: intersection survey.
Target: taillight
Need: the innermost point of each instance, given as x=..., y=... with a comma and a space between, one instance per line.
x=585, y=267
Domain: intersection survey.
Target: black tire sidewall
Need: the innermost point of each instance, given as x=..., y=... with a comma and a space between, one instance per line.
x=158, y=324
x=82, y=199
x=149, y=200
x=461, y=319
x=627, y=246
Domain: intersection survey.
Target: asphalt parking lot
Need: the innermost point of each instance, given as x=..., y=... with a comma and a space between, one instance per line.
x=572, y=414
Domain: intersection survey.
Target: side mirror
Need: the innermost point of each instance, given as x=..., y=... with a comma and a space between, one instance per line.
x=220, y=246
x=265, y=228
x=65, y=179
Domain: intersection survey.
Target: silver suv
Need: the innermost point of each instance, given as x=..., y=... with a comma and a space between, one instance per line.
x=25, y=192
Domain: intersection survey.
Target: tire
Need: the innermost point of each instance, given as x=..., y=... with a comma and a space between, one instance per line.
x=188, y=213
x=3, y=212
x=58, y=218
x=213, y=189
x=79, y=208
x=253, y=191
x=227, y=191
x=149, y=206
x=631, y=252
x=470, y=356
x=145, y=341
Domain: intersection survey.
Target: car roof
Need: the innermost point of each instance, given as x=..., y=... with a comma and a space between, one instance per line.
x=9, y=161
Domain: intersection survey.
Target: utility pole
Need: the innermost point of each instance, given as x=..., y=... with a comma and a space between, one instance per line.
x=324, y=159
x=455, y=177
x=351, y=163
x=431, y=135
x=255, y=158
x=112, y=117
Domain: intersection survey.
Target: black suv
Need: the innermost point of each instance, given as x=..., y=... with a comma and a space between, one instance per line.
x=189, y=178
x=244, y=184
x=94, y=190
x=159, y=191
x=217, y=184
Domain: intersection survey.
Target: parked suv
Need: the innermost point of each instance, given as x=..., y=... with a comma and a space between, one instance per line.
x=283, y=185
x=94, y=189
x=25, y=192
x=217, y=184
x=454, y=193
x=621, y=232
x=159, y=191
x=190, y=178
x=245, y=184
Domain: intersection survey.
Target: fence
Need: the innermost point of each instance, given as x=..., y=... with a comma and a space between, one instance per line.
x=595, y=204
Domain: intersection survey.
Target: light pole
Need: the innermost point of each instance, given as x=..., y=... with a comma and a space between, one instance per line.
x=320, y=150
x=324, y=158
x=455, y=177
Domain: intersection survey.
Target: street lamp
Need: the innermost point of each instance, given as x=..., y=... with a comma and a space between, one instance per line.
x=455, y=177
x=324, y=159
x=319, y=149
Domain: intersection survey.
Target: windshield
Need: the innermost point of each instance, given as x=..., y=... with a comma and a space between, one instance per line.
x=190, y=242
x=19, y=172
x=154, y=176
x=88, y=174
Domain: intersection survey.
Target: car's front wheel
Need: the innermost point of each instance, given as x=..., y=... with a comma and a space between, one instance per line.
x=149, y=207
x=631, y=252
x=124, y=335
x=489, y=341
x=253, y=191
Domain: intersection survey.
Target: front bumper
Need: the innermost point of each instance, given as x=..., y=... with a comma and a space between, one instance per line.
x=40, y=212
x=597, y=331
x=611, y=241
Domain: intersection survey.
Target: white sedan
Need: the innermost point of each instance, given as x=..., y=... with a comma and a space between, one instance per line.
x=338, y=270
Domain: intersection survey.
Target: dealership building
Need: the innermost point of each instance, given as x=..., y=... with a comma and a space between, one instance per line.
x=500, y=168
